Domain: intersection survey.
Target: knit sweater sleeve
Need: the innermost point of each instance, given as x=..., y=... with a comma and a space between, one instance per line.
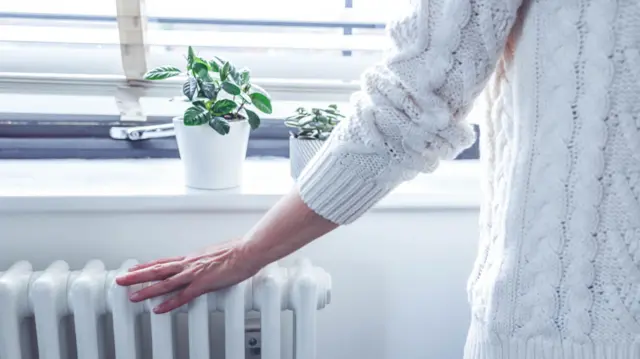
x=410, y=111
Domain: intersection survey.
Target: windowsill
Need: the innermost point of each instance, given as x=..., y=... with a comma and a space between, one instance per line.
x=157, y=185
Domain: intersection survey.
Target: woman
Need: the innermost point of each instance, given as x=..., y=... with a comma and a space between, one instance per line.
x=557, y=274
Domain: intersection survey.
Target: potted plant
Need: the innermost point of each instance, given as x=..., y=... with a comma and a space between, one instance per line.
x=213, y=132
x=313, y=127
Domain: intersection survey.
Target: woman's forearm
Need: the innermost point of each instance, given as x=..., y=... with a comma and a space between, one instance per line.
x=287, y=227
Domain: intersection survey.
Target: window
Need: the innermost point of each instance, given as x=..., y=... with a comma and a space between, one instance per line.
x=71, y=71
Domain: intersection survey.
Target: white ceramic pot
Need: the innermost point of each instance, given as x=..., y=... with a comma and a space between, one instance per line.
x=212, y=161
x=301, y=152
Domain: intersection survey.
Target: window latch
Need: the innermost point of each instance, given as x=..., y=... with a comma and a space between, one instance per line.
x=141, y=132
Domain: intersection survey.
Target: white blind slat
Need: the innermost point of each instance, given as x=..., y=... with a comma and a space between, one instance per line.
x=67, y=7
x=226, y=39
x=75, y=42
x=299, y=12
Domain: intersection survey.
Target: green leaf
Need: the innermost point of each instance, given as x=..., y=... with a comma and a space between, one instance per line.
x=200, y=60
x=245, y=97
x=245, y=76
x=306, y=121
x=162, y=72
x=223, y=107
x=233, y=72
x=199, y=103
x=191, y=56
x=201, y=66
x=307, y=134
x=261, y=102
x=259, y=89
x=196, y=115
x=224, y=73
x=209, y=90
x=201, y=71
x=215, y=66
x=291, y=124
x=333, y=107
x=190, y=87
x=253, y=118
x=333, y=113
x=231, y=88
x=220, y=125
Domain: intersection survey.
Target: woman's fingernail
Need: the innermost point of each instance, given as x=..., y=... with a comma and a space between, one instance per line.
x=134, y=296
x=162, y=307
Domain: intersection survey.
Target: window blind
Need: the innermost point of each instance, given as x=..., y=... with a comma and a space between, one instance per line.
x=100, y=47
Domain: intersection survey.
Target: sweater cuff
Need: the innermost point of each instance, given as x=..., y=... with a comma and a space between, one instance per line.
x=332, y=188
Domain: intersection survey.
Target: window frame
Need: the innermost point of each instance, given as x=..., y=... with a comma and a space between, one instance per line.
x=87, y=137
x=57, y=136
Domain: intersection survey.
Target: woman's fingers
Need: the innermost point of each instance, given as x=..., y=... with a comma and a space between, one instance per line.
x=155, y=262
x=163, y=287
x=183, y=297
x=150, y=274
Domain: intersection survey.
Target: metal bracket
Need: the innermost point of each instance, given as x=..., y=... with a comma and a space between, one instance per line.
x=141, y=132
x=253, y=339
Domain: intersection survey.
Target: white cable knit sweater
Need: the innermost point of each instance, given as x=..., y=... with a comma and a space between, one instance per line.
x=558, y=271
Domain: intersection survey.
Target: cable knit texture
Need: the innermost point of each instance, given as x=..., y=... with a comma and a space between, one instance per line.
x=558, y=269
x=410, y=112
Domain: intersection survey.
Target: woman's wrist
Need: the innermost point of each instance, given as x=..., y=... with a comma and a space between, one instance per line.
x=250, y=254
x=287, y=227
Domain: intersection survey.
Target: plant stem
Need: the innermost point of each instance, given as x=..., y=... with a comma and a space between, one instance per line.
x=240, y=108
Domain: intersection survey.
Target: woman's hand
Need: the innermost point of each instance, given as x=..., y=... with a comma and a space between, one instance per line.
x=214, y=268
x=287, y=227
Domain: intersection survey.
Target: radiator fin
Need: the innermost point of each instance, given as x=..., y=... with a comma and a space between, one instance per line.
x=87, y=296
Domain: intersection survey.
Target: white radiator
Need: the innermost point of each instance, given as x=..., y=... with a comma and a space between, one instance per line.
x=86, y=297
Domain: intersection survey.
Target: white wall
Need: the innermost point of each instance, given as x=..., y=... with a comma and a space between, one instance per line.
x=398, y=277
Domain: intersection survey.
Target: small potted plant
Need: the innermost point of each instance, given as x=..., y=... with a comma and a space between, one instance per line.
x=213, y=132
x=313, y=127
